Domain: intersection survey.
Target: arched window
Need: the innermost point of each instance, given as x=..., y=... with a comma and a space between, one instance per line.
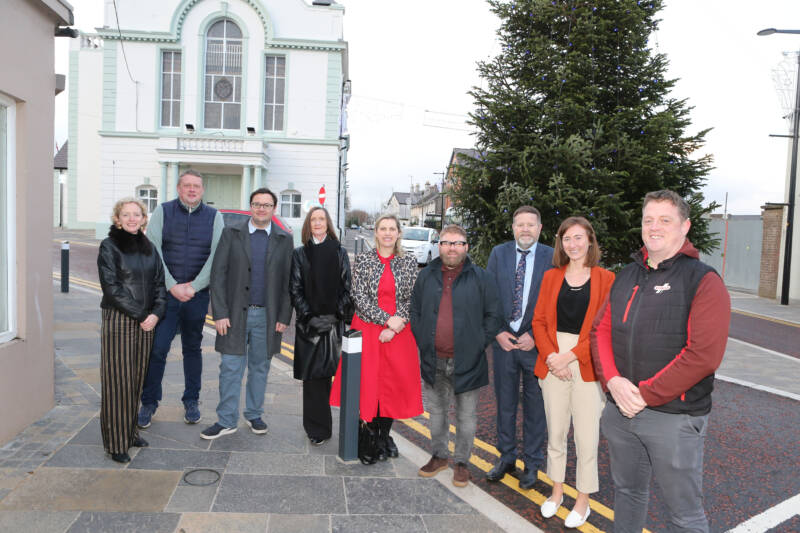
x=290, y=204
x=223, y=77
x=148, y=195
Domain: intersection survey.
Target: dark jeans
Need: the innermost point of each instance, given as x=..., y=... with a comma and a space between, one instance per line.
x=191, y=317
x=667, y=445
x=509, y=368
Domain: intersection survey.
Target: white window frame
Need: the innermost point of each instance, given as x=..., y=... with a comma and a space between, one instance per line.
x=175, y=79
x=272, y=78
x=227, y=45
x=291, y=203
x=10, y=301
x=150, y=197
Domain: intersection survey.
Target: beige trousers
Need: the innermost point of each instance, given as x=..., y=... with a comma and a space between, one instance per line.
x=582, y=403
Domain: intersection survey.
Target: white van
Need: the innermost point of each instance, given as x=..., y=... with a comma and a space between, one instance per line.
x=422, y=243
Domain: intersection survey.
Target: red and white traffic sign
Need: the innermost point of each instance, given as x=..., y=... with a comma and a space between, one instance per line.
x=322, y=195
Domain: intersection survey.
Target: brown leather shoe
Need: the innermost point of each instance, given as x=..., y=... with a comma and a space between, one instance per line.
x=433, y=467
x=461, y=475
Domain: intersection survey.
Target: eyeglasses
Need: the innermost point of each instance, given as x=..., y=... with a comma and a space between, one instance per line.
x=459, y=244
x=255, y=205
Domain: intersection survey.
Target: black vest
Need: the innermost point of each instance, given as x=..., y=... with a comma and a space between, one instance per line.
x=649, y=321
x=186, y=239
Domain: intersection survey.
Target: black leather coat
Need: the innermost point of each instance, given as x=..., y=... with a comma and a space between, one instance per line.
x=316, y=354
x=131, y=275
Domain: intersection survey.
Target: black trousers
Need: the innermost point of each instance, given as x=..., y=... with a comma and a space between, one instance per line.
x=317, y=408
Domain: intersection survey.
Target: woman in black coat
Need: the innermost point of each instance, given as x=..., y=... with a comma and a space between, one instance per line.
x=134, y=299
x=319, y=288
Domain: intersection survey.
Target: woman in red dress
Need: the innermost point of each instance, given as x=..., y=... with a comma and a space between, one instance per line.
x=383, y=279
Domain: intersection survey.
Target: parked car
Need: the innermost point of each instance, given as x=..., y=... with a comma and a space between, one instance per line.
x=423, y=243
x=235, y=215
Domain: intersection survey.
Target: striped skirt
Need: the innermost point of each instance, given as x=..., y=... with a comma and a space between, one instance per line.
x=124, y=354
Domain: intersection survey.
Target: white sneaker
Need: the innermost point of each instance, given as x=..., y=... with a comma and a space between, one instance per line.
x=576, y=520
x=549, y=508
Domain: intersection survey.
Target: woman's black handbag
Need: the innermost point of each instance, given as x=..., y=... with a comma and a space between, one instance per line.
x=317, y=346
x=367, y=443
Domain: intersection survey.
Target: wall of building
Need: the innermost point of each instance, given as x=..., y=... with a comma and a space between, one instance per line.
x=85, y=120
x=123, y=168
x=26, y=362
x=771, y=247
x=306, y=96
x=294, y=19
x=304, y=168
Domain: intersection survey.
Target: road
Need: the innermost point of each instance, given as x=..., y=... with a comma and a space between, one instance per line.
x=752, y=446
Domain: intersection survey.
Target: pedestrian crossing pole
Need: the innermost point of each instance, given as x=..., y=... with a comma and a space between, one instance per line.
x=350, y=395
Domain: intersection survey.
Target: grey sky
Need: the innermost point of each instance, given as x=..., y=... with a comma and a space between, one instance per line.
x=412, y=62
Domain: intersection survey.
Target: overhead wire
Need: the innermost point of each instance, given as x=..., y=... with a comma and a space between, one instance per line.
x=127, y=67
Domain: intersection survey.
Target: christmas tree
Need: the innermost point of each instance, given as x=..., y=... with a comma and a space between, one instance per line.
x=575, y=117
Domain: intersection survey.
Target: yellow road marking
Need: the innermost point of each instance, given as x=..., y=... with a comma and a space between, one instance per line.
x=79, y=281
x=508, y=480
x=767, y=318
x=92, y=244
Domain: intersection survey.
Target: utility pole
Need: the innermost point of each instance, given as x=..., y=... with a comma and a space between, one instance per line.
x=441, y=218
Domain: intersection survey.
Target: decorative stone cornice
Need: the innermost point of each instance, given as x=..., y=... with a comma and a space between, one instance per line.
x=137, y=36
x=300, y=44
x=185, y=6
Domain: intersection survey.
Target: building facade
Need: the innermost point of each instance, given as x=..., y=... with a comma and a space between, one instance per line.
x=250, y=93
x=28, y=87
x=399, y=205
x=427, y=207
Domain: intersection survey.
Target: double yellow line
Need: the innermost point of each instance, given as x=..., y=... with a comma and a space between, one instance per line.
x=534, y=496
x=81, y=282
x=513, y=483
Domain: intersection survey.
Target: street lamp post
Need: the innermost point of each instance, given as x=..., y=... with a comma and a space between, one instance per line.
x=441, y=219
x=787, y=250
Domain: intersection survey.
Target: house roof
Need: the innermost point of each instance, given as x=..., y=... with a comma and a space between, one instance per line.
x=60, y=160
x=402, y=197
x=468, y=152
x=434, y=192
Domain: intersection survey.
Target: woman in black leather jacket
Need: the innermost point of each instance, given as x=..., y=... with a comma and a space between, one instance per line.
x=320, y=291
x=134, y=299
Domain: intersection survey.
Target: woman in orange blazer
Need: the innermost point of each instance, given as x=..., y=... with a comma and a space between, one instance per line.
x=570, y=296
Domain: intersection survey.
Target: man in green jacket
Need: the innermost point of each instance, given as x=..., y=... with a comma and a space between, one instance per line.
x=455, y=315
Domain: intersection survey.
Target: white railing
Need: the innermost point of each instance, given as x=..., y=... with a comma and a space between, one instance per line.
x=210, y=144
x=91, y=40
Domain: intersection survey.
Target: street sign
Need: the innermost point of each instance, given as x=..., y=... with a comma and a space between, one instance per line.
x=322, y=195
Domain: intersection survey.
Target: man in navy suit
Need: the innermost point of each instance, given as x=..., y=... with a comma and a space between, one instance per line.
x=517, y=267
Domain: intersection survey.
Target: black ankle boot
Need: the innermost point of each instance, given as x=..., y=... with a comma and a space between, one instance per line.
x=121, y=457
x=391, y=448
x=367, y=438
x=380, y=441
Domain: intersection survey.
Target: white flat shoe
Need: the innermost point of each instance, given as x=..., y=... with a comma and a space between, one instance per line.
x=549, y=508
x=576, y=520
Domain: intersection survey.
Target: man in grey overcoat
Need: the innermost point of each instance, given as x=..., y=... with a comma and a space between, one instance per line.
x=251, y=309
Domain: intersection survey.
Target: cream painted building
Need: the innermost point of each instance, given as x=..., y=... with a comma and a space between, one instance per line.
x=248, y=92
x=28, y=86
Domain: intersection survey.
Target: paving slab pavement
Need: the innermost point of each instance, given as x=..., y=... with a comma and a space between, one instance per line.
x=55, y=476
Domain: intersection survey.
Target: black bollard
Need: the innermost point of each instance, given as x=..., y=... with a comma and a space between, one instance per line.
x=350, y=395
x=65, y=266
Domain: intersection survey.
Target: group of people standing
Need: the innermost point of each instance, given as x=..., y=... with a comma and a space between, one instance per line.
x=633, y=355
